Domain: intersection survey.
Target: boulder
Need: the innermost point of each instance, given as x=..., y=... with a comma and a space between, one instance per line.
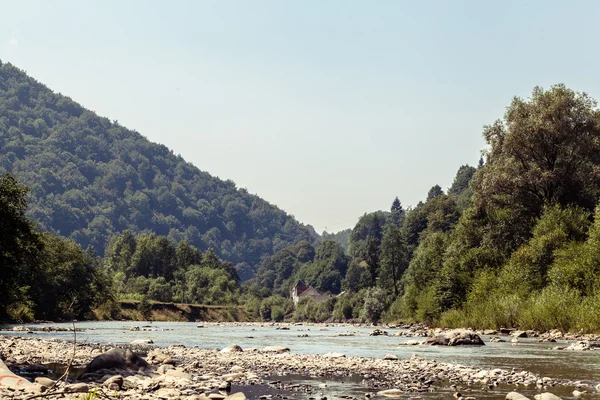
x=13, y=381
x=114, y=382
x=334, y=355
x=232, y=348
x=142, y=342
x=391, y=393
x=275, y=349
x=515, y=396
x=45, y=382
x=236, y=396
x=156, y=357
x=164, y=368
x=390, y=357
x=378, y=332
x=454, y=338
x=77, y=388
x=546, y=396
x=123, y=359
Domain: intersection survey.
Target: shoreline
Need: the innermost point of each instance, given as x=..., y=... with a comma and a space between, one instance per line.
x=413, y=329
x=199, y=371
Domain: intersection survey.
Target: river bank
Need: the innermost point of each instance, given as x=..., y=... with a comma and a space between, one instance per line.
x=185, y=372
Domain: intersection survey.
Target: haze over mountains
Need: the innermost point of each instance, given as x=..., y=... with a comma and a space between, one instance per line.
x=90, y=178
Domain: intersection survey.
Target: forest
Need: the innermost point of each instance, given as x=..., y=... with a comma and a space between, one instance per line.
x=101, y=213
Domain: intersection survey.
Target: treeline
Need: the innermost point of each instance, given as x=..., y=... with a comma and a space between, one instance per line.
x=513, y=242
x=43, y=276
x=90, y=179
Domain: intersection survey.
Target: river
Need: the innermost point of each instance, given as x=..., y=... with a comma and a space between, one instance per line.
x=528, y=354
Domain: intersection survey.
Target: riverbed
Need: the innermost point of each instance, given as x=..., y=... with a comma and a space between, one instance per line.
x=527, y=354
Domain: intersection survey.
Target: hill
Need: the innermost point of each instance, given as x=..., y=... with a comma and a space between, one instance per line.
x=91, y=178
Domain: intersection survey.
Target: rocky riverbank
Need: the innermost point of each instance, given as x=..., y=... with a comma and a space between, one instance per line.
x=193, y=373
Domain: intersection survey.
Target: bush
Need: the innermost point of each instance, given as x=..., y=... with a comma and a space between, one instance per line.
x=277, y=314
x=145, y=308
x=374, y=305
x=266, y=306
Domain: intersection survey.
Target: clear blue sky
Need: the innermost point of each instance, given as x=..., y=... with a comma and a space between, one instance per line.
x=328, y=109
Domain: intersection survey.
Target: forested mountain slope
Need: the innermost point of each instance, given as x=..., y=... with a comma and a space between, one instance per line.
x=91, y=178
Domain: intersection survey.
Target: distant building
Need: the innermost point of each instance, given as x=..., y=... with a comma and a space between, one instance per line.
x=302, y=290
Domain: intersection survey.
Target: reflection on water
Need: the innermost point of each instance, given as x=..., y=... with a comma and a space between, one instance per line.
x=527, y=355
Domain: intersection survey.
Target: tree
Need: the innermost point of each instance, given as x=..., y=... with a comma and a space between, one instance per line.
x=19, y=243
x=545, y=151
x=374, y=305
x=394, y=256
x=397, y=214
x=434, y=192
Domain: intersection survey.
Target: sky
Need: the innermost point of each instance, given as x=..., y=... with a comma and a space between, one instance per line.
x=328, y=109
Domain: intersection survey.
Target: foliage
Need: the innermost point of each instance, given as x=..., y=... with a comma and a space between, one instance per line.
x=374, y=304
x=341, y=237
x=281, y=305
x=19, y=244
x=91, y=179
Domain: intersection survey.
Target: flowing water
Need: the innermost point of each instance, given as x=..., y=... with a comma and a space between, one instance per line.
x=528, y=354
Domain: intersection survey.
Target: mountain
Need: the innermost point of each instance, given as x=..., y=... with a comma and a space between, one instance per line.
x=90, y=178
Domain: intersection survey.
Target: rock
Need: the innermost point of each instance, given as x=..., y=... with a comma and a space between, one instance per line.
x=391, y=393
x=454, y=338
x=275, y=349
x=413, y=343
x=546, y=396
x=515, y=396
x=577, y=393
x=167, y=393
x=43, y=381
x=114, y=381
x=236, y=396
x=123, y=359
x=390, y=357
x=378, y=332
x=496, y=339
x=178, y=373
x=156, y=357
x=232, y=348
x=164, y=368
x=142, y=342
x=13, y=381
x=216, y=396
x=77, y=388
x=334, y=355
x=519, y=334
x=21, y=329
x=582, y=345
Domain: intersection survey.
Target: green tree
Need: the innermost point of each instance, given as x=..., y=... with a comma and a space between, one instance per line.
x=19, y=243
x=394, y=259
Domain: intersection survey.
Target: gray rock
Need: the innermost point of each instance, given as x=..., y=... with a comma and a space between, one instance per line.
x=546, y=396
x=142, y=342
x=45, y=382
x=77, y=388
x=14, y=381
x=515, y=396
x=114, y=381
x=232, y=348
x=123, y=359
x=454, y=338
x=275, y=349
x=391, y=393
x=164, y=368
